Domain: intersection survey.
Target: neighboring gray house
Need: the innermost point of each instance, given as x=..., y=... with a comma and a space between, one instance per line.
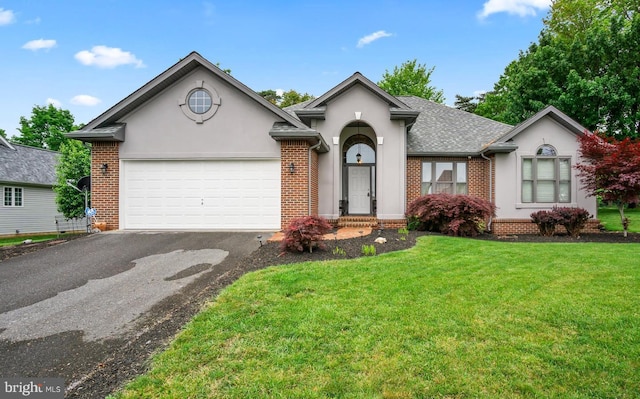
x=27, y=175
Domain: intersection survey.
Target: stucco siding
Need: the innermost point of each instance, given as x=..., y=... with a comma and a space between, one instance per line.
x=160, y=130
x=390, y=140
x=37, y=215
x=508, y=170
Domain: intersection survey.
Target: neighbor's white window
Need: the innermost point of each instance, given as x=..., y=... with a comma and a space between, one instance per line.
x=546, y=177
x=12, y=196
x=444, y=177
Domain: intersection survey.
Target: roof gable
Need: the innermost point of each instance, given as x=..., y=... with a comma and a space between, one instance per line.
x=552, y=112
x=169, y=77
x=355, y=79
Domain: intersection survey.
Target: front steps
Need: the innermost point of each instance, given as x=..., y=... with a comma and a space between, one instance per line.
x=358, y=221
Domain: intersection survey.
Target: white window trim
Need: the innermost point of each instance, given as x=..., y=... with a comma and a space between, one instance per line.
x=13, y=197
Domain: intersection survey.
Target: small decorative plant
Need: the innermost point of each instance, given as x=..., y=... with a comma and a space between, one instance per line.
x=339, y=251
x=305, y=232
x=369, y=250
x=403, y=232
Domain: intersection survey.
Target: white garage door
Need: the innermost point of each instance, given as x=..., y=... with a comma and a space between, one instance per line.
x=239, y=195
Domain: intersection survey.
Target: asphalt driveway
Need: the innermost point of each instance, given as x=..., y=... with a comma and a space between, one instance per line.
x=76, y=309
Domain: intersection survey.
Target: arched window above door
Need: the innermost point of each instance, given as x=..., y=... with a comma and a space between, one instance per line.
x=358, y=149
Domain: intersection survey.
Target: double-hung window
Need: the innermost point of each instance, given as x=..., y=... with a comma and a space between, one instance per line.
x=546, y=178
x=12, y=196
x=444, y=177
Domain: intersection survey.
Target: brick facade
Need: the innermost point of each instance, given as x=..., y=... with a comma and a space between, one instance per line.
x=477, y=172
x=105, y=184
x=504, y=227
x=294, y=187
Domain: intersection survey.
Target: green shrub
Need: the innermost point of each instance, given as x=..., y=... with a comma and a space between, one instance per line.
x=305, y=233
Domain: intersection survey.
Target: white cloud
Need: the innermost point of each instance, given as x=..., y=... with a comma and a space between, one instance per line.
x=35, y=21
x=86, y=100
x=108, y=57
x=39, y=44
x=54, y=102
x=7, y=17
x=372, y=37
x=521, y=8
x=279, y=92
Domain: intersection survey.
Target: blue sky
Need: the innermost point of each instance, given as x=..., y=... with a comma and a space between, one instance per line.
x=87, y=55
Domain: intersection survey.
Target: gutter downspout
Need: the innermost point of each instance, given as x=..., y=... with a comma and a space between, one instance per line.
x=490, y=186
x=312, y=148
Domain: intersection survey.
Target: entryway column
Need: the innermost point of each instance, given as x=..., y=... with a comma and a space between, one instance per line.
x=294, y=173
x=105, y=178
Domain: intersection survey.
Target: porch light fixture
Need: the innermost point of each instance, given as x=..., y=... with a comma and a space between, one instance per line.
x=104, y=168
x=292, y=168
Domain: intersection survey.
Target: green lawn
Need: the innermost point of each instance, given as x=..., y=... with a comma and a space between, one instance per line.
x=610, y=218
x=450, y=318
x=20, y=239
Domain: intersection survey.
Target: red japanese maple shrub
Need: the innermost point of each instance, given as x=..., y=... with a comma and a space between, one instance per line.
x=305, y=233
x=546, y=222
x=611, y=170
x=457, y=215
x=573, y=219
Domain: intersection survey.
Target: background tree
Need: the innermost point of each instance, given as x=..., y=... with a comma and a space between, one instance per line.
x=271, y=96
x=611, y=170
x=3, y=133
x=45, y=128
x=468, y=104
x=586, y=62
x=74, y=163
x=411, y=79
x=292, y=97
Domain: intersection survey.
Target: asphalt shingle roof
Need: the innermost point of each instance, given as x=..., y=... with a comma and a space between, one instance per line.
x=27, y=165
x=441, y=129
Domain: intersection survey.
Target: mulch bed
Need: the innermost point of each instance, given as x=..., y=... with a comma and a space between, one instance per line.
x=271, y=254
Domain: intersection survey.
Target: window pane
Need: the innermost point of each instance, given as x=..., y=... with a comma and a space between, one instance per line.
x=565, y=169
x=547, y=150
x=527, y=168
x=546, y=191
x=564, y=194
x=17, y=197
x=527, y=191
x=426, y=171
x=7, y=196
x=546, y=169
x=367, y=154
x=461, y=188
x=444, y=188
x=444, y=172
x=461, y=172
x=425, y=188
